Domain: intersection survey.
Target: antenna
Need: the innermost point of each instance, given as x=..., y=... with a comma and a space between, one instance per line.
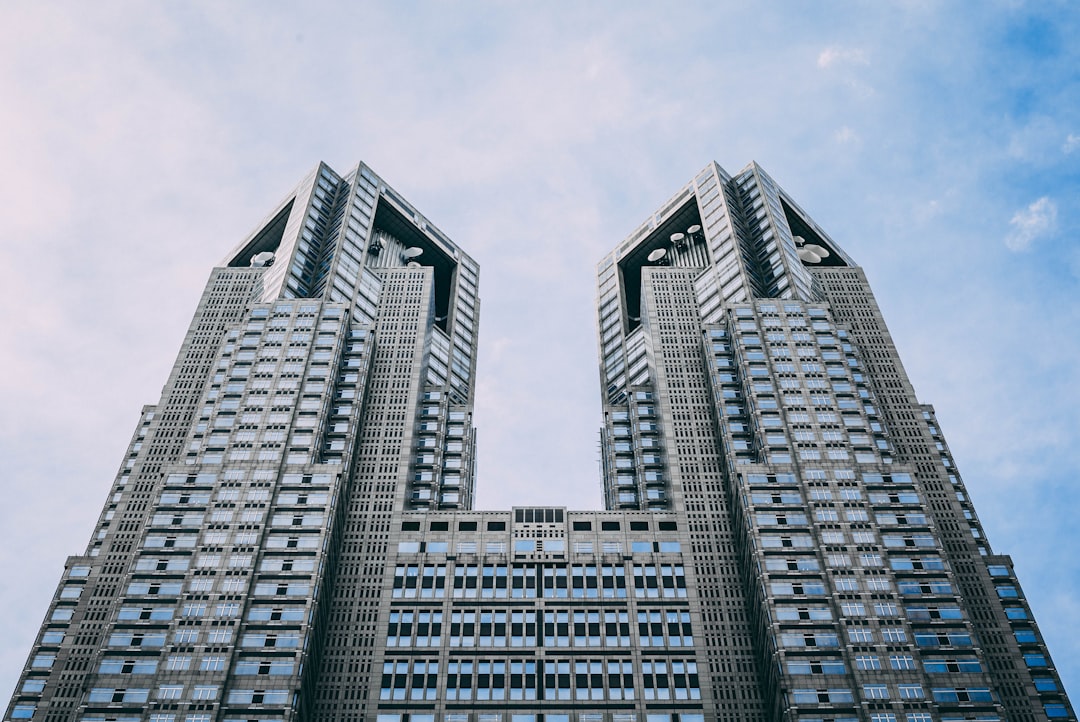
x=266, y=258
x=678, y=240
x=813, y=253
x=658, y=255
x=412, y=252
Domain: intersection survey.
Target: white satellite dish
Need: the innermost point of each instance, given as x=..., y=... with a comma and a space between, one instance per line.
x=816, y=249
x=413, y=252
x=413, y=264
x=808, y=256
x=266, y=258
x=692, y=230
x=657, y=255
x=800, y=241
x=679, y=239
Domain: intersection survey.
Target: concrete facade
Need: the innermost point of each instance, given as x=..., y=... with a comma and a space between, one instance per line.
x=291, y=535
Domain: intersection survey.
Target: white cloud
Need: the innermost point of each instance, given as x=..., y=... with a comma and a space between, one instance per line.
x=847, y=136
x=1038, y=219
x=835, y=55
x=1072, y=143
x=1038, y=140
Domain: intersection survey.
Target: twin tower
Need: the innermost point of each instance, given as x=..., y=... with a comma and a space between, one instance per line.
x=291, y=535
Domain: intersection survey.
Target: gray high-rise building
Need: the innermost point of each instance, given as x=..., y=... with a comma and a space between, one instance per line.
x=291, y=535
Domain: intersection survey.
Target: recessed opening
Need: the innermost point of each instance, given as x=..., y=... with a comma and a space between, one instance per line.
x=390, y=221
x=266, y=240
x=801, y=228
x=660, y=239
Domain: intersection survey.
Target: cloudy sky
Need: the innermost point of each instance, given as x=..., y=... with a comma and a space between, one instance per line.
x=939, y=143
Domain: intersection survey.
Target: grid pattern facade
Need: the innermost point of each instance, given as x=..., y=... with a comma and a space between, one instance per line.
x=695, y=470
x=1004, y=625
x=383, y=458
x=785, y=535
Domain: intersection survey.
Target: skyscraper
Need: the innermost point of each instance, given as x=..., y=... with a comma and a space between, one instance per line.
x=291, y=535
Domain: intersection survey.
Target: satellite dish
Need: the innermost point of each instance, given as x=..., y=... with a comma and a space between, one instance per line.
x=657, y=254
x=816, y=249
x=693, y=229
x=413, y=264
x=413, y=252
x=809, y=256
x=679, y=239
x=800, y=241
x=266, y=258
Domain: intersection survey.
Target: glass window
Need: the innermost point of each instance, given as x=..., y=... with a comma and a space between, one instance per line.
x=867, y=662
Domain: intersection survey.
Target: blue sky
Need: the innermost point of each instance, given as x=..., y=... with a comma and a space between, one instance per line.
x=938, y=143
